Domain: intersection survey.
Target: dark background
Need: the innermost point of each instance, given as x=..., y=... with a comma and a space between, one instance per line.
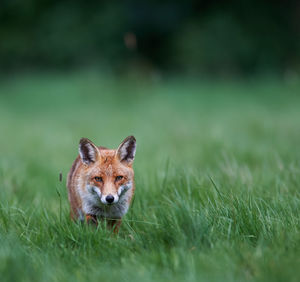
x=219, y=38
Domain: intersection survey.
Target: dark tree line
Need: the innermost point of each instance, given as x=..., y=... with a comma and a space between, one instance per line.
x=191, y=36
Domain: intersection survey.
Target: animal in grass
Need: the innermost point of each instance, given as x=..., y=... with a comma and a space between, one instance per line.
x=101, y=182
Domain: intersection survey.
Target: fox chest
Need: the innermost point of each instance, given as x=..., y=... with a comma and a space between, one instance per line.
x=91, y=204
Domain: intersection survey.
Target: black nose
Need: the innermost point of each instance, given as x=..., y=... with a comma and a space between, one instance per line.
x=109, y=198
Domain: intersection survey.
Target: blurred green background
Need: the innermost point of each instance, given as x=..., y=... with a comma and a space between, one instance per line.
x=225, y=38
x=210, y=90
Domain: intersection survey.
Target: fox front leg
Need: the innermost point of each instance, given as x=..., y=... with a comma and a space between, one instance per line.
x=91, y=219
x=114, y=224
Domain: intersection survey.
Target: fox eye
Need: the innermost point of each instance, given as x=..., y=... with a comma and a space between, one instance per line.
x=119, y=177
x=98, y=179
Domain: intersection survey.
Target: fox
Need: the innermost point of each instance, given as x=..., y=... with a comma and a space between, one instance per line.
x=100, y=182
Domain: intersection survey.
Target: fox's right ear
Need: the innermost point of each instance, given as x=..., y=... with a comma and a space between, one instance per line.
x=88, y=151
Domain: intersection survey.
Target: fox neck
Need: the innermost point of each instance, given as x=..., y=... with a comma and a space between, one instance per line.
x=91, y=202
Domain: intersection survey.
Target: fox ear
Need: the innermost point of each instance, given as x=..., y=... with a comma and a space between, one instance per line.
x=88, y=151
x=126, y=150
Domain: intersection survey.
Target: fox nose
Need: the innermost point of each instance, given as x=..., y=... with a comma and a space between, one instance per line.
x=109, y=198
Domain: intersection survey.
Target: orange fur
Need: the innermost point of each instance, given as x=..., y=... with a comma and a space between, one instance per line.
x=88, y=196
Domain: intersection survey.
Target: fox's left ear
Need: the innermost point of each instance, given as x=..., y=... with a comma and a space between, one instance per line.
x=126, y=150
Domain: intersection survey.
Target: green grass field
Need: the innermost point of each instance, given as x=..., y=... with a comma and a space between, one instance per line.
x=217, y=179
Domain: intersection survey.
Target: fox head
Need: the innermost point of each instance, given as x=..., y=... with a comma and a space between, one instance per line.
x=107, y=174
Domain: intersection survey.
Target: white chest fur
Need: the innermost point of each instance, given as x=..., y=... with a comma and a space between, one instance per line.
x=91, y=202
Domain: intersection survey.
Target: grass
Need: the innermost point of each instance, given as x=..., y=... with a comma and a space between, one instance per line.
x=217, y=179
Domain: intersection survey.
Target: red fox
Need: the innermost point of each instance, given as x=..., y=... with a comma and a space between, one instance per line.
x=101, y=182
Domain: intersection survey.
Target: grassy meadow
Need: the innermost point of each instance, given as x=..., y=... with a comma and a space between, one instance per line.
x=217, y=178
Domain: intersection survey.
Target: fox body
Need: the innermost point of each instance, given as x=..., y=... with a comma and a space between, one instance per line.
x=101, y=182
